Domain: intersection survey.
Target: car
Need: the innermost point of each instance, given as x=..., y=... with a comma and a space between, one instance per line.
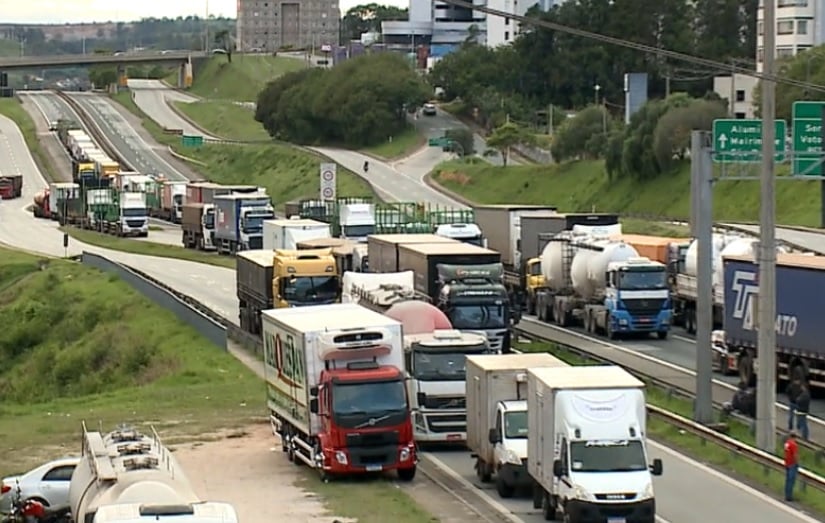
x=48, y=483
x=53, y=125
x=429, y=109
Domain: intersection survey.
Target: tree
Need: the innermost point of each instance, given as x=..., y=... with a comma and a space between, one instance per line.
x=671, y=139
x=807, y=66
x=223, y=39
x=366, y=18
x=584, y=136
x=505, y=137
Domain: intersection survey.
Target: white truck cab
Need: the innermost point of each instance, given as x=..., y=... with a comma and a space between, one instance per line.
x=134, y=215
x=463, y=232
x=357, y=221
x=208, y=226
x=509, y=437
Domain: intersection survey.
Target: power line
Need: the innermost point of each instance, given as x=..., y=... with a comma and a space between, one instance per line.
x=682, y=57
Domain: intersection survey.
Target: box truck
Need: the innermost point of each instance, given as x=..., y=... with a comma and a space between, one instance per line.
x=287, y=234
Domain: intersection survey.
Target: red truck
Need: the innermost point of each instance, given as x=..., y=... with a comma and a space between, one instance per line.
x=11, y=186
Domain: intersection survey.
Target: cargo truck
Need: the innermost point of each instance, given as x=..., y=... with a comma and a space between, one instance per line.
x=800, y=353
x=239, y=221
x=375, y=291
x=497, y=416
x=268, y=279
x=336, y=389
x=198, y=226
x=128, y=476
x=205, y=192
x=40, y=204
x=286, y=234
x=168, y=197
x=350, y=256
x=586, y=450
x=11, y=186
x=383, y=249
x=463, y=232
x=64, y=200
x=604, y=285
x=464, y=281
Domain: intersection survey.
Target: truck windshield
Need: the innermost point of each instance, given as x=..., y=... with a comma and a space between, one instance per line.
x=515, y=425
x=254, y=223
x=607, y=456
x=485, y=316
x=134, y=213
x=442, y=366
x=177, y=199
x=357, y=231
x=643, y=280
x=365, y=404
x=209, y=219
x=309, y=290
x=474, y=240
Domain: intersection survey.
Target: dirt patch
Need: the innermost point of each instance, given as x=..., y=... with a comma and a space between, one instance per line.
x=456, y=177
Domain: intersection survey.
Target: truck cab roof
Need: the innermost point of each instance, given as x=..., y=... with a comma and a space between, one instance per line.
x=513, y=405
x=446, y=339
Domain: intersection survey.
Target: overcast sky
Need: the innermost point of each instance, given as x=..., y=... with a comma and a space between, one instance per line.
x=62, y=11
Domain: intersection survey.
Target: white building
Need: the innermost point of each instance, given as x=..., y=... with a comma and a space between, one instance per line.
x=800, y=25
x=741, y=91
x=502, y=31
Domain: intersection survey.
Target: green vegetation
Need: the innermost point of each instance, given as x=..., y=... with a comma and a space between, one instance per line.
x=80, y=344
x=242, y=79
x=148, y=248
x=225, y=119
x=404, y=143
x=697, y=448
x=9, y=47
x=806, y=66
x=367, y=18
x=11, y=108
x=584, y=186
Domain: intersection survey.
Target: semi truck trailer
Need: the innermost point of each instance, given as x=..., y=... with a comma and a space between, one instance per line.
x=198, y=226
x=383, y=249
x=11, y=186
x=239, y=221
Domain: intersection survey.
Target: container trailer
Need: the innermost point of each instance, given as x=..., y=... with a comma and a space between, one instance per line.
x=383, y=249
x=239, y=221
x=205, y=192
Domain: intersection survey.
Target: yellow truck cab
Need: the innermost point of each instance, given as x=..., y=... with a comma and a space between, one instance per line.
x=534, y=279
x=304, y=277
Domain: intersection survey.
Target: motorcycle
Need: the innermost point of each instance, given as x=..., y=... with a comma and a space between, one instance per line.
x=33, y=511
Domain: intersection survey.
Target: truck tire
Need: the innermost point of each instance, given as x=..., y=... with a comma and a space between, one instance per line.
x=407, y=474
x=608, y=330
x=538, y=495
x=662, y=335
x=745, y=366
x=483, y=472
x=504, y=490
x=548, y=507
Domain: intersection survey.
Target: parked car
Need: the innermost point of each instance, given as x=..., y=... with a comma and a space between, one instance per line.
x=429, y=109
x=48, y=483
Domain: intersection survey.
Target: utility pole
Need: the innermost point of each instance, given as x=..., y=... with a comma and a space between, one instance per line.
x=550, y=119
x=766, y=346
x=206, y=45
x=732, y=102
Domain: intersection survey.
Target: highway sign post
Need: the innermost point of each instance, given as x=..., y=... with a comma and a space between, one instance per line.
x=328, y=174
x=807, y=138
x=740, y=141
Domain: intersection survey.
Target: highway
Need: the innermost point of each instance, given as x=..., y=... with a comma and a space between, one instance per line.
x=812, y=240
x=154, y=99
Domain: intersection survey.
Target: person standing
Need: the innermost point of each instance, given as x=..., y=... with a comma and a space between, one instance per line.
x=793, y=390
x=803, y=407
x=791, y=464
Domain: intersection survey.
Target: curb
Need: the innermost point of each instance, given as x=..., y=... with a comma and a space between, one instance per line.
x=428, y=180
x=190, y=121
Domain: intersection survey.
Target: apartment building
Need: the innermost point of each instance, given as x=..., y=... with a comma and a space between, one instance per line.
x=800, y=25
x=268, y=25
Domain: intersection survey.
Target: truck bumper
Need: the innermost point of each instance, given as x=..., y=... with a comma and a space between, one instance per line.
x=515, y=475
x=445, y=427
x=624, y=322
x=591, y=512
x=362, y=460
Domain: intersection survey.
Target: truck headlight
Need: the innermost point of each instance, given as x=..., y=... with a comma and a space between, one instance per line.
x=648, y=492
x=510, y=457
x=405, y=454
x=581, y=494
x=341, y=457
x=622, y=321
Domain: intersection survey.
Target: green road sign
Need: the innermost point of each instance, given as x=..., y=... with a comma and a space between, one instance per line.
x=740, y=141
x=807, y=138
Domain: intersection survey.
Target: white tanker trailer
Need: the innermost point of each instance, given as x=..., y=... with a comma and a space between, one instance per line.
x=129, y=476
x=603, y=284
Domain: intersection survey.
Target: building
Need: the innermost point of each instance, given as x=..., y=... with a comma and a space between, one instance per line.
x=800, y=25
x=267, y=25
x=503, y=31
x=741, y=90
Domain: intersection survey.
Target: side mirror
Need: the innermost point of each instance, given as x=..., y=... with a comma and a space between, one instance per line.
x=558, y=470
x=493, y=436
x=656, y=469
x=421, y=398
x=313, y=391
x=276, y=287
x=313, y=405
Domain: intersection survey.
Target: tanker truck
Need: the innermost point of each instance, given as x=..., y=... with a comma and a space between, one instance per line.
x=604, y=285
x=40, y=205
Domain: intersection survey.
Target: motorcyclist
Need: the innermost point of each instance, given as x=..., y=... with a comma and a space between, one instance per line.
x=366, y=165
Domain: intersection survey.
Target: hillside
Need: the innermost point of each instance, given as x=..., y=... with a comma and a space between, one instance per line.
x=583, y=186
x=242, y=79
x=77, y=342
x=9, y=47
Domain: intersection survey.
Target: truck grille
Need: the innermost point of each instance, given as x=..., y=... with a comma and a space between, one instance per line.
x=616, y=497
x=256, y=242
x=445, y=402
x=135, y=223
x=446, y=423
x=384, y=455
x=372, y=439
x=641, y=306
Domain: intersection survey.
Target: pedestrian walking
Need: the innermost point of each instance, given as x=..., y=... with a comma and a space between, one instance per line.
x=803, y=407
x=793, y=390
x=791, y=464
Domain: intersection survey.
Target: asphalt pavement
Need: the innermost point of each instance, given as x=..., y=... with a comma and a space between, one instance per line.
x=154, y=99
x=812, y=240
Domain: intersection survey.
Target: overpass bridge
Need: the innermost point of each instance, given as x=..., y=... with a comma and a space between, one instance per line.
x=85, y=60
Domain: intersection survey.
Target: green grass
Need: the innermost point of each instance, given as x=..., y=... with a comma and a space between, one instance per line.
x=9, y=48
x=402, y=145
x=584, y=186
x=703, y=451
x=241, y=80
x=225, y=119
x=12, y=109
x=80, y=344
x=147, y=248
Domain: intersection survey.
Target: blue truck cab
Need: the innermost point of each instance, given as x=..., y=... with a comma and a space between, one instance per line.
x=239, y=221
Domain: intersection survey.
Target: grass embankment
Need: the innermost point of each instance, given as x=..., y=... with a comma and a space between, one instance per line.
x=584, y=186
x=147, y=248
x=80, y=344
x=12, y=109
x=405, y=143
x=9, y=47
x=225, y=119
x=694, y=446
x=286, y=172
x=240, y=80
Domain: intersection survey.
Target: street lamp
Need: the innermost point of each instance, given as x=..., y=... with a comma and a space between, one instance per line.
x=596, y=89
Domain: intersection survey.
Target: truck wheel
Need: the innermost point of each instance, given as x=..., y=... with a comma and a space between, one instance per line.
x=531, y=306
x=538, y=495
x=690, y=321
x=662, y=335
x=797, y=372
x=746, y=367
x=483, y=472
x=504, y=490
x=548, y=507
x=608, y=328
x=406, y=474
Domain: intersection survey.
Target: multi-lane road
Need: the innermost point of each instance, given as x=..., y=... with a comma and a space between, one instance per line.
x=154, y=99
x=688, y=491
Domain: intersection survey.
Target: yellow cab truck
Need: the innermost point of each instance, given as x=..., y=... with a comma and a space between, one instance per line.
x=267, y=279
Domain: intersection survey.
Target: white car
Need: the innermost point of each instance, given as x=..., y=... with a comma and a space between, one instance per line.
x=429, y=109
x=48, y=483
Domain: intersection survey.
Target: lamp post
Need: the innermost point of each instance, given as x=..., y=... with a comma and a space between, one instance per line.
x=596, y=89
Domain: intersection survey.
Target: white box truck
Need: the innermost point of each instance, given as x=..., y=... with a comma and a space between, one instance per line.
x=497, y=416
x=287, y=234
x=586, y=451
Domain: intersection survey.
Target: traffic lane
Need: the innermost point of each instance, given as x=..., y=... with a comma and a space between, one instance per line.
x=153, y=98
x=815, y=241
x=687, y=492
x=435, y=126
x=57, y=154
x=48, y=110
x=163, y=236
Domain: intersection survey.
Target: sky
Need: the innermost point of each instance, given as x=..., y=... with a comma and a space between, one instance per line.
x=63, y=11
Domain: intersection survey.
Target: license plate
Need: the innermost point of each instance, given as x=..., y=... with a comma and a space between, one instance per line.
x=616, y=520
x=376, y=468
x=453, y=437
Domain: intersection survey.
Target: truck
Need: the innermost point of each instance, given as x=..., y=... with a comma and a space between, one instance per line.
x=168, y=197
x=604, y=285
x=350, y=256
x=239, y=221
x=286, y=234
x=40, y=204
x=205, y=192
x=357, y=221
x=464, y=281
x=463, y=232
x=61, y=195
x=348, y=217
x=106, y=168
x=424, y=217
x=360, y=288
x=336, y=389
x=497, y=416
x=800, y=354
x=198, y=226
x=383, y=249
x=11, y=186
x=129, y=476
x=587, y=449
x=125, y=214
x=267, y=279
